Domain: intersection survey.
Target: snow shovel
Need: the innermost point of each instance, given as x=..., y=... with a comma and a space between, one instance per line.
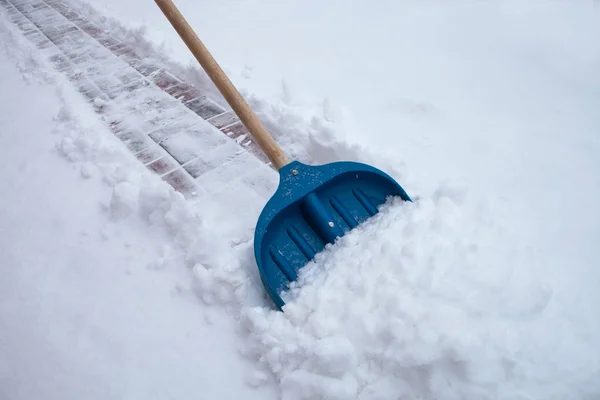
x=313, y=205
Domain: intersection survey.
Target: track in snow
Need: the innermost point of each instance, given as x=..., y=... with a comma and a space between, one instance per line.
x=171, y=126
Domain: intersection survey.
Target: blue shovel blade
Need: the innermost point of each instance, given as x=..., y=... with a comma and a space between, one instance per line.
x=312, y=206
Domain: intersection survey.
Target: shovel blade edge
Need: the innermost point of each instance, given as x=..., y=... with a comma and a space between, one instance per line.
x=312, y=207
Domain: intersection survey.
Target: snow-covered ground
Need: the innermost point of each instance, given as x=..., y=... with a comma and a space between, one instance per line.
x=94, y=300
x=485, y=287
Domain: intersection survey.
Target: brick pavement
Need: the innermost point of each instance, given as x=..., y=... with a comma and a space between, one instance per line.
x=172, y=127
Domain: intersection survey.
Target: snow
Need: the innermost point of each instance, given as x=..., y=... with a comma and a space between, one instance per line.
x=95, y=299
x=485, y=287
x=425, y=301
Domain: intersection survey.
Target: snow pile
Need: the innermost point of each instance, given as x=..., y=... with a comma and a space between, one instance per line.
x=425, y=301
x=196, y=238
x=192, y=235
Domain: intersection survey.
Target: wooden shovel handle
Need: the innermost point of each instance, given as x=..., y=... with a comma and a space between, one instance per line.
x=222, y=82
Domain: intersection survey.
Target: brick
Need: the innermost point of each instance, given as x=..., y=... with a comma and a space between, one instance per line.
x=36, y=37
x=124, y=49
x=129, y=55
x=180, y=153
x=157, y=118
x=60, y=31
x=108, y=85
x=136, y=85
x=107, y=40
x=183, y=92
x=49, y=19
x=44, y=44
x=163, y=165
x=151, y=154
x=204, y=107
x=60, y=7
x=148, y=126
x=135, y=141
x=64, y=43
x=207, y=162
x=59, y=61
x=91, y=96
x=116, y=47
x=223, y=120
x=150, y=102
x=164, y=132
x=164, y=80
x=131, y=81
x=73, y=53
x=146, y=67
x=198, y=167
x=228, y=173
x=127, y=76
x=92, y=30
x=189, y=144
x=183, y=183
x=78, y=39
x=71, y=15
x=116, y=126
x=236, y=130
x=49, y=30
x=80, y=59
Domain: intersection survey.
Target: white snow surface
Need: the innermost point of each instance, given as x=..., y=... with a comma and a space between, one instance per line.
x=95, y=298
x=484, y=288
x=429, y=301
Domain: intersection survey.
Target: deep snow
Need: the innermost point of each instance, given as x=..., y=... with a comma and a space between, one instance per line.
x=429, y=301
x=486, y=286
